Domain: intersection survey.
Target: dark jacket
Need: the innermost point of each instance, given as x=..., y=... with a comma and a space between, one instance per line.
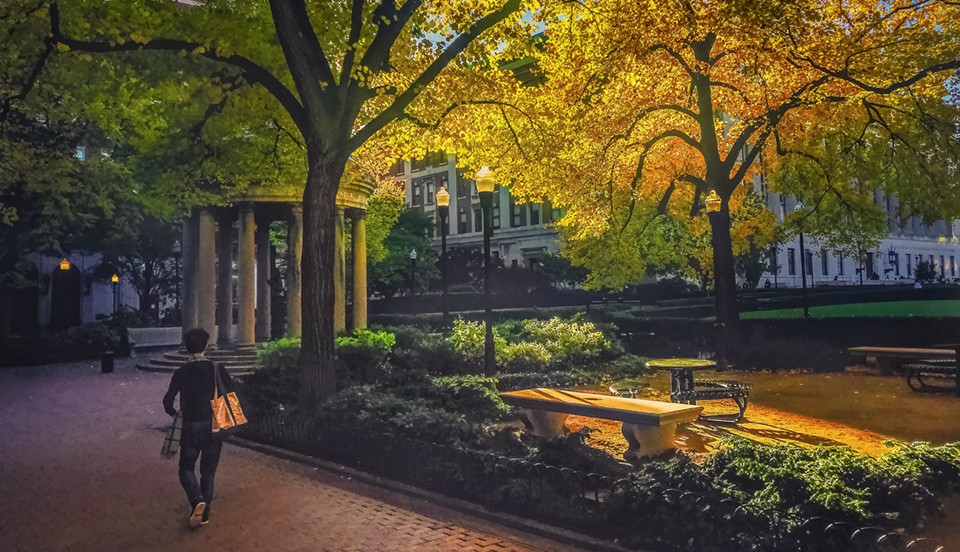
x=194, y=383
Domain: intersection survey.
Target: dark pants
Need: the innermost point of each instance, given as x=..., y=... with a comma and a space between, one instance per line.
x=198, y=442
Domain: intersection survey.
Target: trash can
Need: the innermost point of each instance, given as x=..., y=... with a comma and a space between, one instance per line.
x=106, y=362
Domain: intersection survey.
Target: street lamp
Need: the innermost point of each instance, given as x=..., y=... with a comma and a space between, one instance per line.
x=443, y=208
x=713, y=202
x=114, y=280
x=413, y=270
x=64, y=264
x=485, y=184
x=803, y=266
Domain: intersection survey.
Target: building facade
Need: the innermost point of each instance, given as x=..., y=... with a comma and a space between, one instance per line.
x=522, y=231
x=909, y=243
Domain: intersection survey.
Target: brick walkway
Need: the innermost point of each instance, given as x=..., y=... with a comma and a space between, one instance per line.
x=80, y=470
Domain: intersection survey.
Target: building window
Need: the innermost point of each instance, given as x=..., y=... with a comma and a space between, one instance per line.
x=417, y=165
x=943, y=268
x=783, y=206
x=839, y=263
x=535, y=214
x=824, y=259
x=431, y=190
x=415, y=200
x=791, y=261
x=809, y=260
x=896, y=263
x=81, y=153
x=515, y=216
x=399, y=167
x=462, y=222
x=953, y=266
x=478, y=220
x=556, y=214
x=909, y=266
x=496, y=217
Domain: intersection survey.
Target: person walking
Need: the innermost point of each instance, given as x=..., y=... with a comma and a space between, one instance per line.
x=195, y=383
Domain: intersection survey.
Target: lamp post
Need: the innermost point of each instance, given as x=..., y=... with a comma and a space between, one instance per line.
x=413, y=271
x=714, y=202
x=803, y=268
x=443, y=209
x=114, y=280
x=485, y=184
x=64, y=264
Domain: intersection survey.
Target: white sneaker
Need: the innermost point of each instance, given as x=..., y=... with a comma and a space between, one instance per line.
x=196, y=518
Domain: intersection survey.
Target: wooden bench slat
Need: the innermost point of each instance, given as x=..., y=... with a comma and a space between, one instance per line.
x=902, y=352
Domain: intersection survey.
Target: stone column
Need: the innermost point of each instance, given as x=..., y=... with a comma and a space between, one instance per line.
x=225, y=281
x=247, y=284
x=188, y=271
x=264, y=270
x=359, y=246
x=294, y=254
x=206, y=272
x=339, y=276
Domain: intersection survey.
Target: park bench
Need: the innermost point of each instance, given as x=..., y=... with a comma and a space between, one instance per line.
x=921, y=374
x=648, y=426
x=873, y=355
x=920, y=364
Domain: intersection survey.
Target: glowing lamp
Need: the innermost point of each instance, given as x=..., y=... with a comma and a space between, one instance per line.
x=64, y=264
x=115, y=278
x=485, y=180
x=443, y=197
x=713, y=202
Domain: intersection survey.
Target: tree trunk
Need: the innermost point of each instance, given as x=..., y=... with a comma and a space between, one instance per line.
x=724, y=274
x=317, y=363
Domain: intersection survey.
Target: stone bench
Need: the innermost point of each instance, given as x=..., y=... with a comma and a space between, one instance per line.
x=648, y=426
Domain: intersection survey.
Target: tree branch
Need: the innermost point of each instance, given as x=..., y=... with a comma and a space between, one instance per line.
x=251, y=71
x=458, y=45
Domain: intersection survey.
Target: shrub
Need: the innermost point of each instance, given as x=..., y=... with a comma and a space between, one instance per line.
x=363, y=356
x=568, y=341
x=281, y=354
x=524, y=357
x=419, y=350
x=468, y=338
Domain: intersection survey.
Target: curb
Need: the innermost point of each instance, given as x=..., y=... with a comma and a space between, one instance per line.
x=537, y=528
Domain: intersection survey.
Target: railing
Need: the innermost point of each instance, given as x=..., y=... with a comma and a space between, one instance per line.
x=650, y=517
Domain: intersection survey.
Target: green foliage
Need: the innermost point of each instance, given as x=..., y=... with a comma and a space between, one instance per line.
x=419, y=350
x=537, y=345
x=74, y=343
x=443, y=410
x=281, y=354
x=391, y=275
x=382, y=213
x=925, y=273
x=897, y=489
x=363, y=356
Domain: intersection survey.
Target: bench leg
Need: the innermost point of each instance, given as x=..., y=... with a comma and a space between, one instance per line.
x=544, y=423
x=647, y=440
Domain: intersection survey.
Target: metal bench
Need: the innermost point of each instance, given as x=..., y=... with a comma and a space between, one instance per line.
x=919, y=375
x=715, y=390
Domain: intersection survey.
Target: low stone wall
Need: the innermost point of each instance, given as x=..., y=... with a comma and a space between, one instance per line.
x=145, y=338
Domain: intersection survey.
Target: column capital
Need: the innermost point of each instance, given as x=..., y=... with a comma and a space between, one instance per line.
x=296, y=208
x=355, y=213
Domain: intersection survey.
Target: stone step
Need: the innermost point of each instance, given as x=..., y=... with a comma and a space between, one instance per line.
x=178, y=363
x=152, y=366
x=183, y=359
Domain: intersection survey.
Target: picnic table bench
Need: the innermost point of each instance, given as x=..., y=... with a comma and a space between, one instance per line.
x=648, y=426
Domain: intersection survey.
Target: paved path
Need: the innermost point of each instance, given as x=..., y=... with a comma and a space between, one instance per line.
x=80, y=470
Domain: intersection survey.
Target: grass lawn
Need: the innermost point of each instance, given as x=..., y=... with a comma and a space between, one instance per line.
x=946, y=308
